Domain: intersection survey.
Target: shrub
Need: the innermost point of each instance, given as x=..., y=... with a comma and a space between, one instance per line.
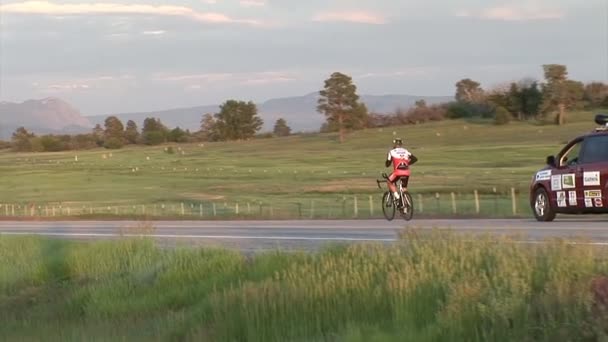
x=466, y=110
x=154, y=138
x=113, y=144
x=502, y=117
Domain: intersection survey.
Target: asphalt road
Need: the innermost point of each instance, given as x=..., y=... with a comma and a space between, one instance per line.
x=256, y=235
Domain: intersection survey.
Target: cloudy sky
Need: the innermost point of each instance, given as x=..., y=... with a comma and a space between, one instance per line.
x=140, y=55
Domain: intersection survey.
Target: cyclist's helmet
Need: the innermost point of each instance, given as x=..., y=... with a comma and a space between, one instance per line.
x=397, y=142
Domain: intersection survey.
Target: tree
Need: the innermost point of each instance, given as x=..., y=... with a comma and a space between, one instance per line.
x=521, y=99
x=421, y=103
x=559, y=93
x=281, y=129
x=21, y=140
x=98, y=135
x=237, y=120
x=4, y=145
x=596, y=93
x=177, y=135
x=531, y=98
x=208, y=130
x=153, y=124
x=114, y=132
x=131, y=132
x=52, y=143
x=113, y=127
x=469, y=91
x=340, y=104
x=154, y=132
x=514, y=102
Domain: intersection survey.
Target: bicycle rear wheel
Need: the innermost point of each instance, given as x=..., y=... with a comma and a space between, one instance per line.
x=408, y=210
x=388, y=207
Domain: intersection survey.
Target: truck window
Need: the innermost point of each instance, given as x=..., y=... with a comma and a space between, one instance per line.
x=571, y=157
x=595, y=149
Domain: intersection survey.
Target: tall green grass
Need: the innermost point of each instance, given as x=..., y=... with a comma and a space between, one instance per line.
x=427, y=287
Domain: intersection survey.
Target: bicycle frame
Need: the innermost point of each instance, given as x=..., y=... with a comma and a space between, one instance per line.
x=399, y=188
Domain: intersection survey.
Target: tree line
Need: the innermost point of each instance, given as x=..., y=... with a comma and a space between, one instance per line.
x=236, y=120
x=550, y=98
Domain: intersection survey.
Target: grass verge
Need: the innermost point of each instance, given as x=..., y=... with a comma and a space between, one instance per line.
x=435, y=286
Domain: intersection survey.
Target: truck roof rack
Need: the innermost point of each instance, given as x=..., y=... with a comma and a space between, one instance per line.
x=602, y=120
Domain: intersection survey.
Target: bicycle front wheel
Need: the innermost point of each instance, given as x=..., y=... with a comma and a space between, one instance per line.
x=408, y=209
x=388, y=207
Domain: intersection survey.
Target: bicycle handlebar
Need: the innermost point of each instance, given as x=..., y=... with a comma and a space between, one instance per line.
x=385, y=176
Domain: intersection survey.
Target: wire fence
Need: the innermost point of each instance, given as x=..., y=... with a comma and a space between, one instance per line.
x=360, y=206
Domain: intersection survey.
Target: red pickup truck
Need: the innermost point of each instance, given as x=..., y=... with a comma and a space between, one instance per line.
x=575, y=181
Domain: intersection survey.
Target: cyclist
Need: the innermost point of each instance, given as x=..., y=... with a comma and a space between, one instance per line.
x=401, y=159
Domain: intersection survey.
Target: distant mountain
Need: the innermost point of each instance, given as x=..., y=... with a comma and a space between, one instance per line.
x=300, y=111
x=50, y=115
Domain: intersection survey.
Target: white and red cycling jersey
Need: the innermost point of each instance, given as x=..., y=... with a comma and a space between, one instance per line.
x=401, y=159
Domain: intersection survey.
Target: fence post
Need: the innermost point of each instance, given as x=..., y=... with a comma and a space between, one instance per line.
x=356, y=207
x=236, y=209
x=214, y=211
x=438, y=203
x=420, y=203
x=476, y=193
x=514, y=201
x=371, y=206
x=200, y=208
x=343, y=206
x=183, y=210
x=454, y=209
x=248, y=208
x=495, y=201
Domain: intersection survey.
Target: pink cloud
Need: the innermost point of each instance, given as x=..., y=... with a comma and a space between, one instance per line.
x=252, y=3
x=514, y=12
x=56, y=9
x=361, y=17
x=194, y=81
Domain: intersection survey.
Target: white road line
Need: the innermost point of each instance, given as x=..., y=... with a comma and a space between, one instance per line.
x=281, y=238
x=216, y=237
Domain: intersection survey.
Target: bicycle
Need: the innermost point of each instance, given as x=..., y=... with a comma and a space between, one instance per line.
x=405, y=202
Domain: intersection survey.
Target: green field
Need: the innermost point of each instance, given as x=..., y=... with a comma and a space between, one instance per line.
x=437, y=287
x=299, y=176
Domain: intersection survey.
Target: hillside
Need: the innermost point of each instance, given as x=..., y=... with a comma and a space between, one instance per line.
x=455, y=156
x=50, y=115
x=299, y=111
x=53, y=115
